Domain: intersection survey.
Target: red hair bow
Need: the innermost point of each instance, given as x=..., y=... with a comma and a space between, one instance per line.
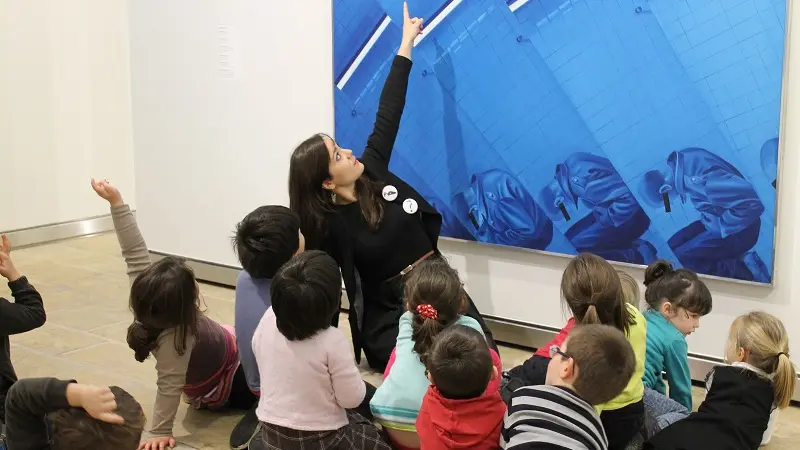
x=427, y=311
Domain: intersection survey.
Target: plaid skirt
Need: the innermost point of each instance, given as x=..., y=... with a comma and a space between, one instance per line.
x=359, y=434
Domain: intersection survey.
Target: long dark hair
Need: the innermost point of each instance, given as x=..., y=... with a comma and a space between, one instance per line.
x=432, y=283
x=308, y=169
x=164, y=296
x=591, y=289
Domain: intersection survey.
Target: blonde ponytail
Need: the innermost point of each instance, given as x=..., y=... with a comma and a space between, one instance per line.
x=764, y=337
x=784, y=381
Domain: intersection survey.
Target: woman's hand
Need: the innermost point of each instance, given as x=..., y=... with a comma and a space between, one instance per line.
x=412, y=27
x=106, y=191
x=158, y=443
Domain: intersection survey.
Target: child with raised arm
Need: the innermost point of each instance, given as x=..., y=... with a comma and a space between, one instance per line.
x=24, y=314
x=194, y=355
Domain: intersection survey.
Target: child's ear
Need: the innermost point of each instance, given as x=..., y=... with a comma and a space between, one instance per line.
x=430, y=378
x=495, y=374
x=569, y=370
x=666, y=309
x=463, y=304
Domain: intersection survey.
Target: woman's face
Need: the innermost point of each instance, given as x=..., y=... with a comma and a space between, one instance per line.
x=343, y=167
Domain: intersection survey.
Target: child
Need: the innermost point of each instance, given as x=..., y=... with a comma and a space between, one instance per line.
x=81, y=416
x=630, y=288
x=740, y=398
x=676, y=300
x=26, y=313
x=308, y=377
x=265, y=239
x=462, y=408
x=592, y=291
x=593, y=366
x=435, y=299
x=194, y=355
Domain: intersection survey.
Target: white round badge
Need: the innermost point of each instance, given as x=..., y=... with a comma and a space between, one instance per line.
x=410, y=206
x=389, y=193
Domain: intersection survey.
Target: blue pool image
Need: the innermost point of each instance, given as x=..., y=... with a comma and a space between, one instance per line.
x=632, y=129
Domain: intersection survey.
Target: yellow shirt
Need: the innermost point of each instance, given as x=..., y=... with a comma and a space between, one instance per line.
x=633, y=392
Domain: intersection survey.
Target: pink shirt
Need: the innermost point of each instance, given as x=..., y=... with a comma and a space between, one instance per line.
x=305, y=385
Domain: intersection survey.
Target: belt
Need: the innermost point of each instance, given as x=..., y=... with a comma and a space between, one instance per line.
x=411, y=266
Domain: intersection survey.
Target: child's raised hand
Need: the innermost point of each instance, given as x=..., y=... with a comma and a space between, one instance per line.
x=5, y=244
x=7, y=268
x=106, y=191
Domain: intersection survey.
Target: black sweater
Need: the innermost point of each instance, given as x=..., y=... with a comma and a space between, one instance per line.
x=338, y=241
x=24, y=314
x=28, y=403
x=733, y=416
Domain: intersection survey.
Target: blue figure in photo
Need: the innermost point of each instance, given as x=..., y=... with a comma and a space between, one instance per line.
x=451, y=225
x=502, y=212
x=721, y=242
x=769, y=160
x=616, y=222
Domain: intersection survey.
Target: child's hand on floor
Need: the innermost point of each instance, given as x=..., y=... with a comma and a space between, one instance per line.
x=7, y=268
x=106, y=191
x=158, y=443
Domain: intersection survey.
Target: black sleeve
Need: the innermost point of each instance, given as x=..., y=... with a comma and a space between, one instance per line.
x=27, y=311
x=27, y=404
x=390, y=111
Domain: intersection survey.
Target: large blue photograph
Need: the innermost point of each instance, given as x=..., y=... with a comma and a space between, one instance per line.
x=633, y=129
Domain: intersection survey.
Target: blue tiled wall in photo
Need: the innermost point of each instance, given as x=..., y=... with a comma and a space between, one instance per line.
x=633, y=129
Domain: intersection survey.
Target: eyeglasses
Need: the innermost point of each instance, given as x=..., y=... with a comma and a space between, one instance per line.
x=556, y=350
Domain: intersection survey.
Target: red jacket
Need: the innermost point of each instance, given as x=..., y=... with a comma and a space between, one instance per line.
x=475, y=424
x=558, y=340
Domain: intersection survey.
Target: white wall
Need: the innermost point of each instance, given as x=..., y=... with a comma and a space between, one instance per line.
x=64, y=108
x=209, y=150
x=213, y=143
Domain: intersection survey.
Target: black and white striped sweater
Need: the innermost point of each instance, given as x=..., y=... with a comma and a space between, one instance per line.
x=551, y=417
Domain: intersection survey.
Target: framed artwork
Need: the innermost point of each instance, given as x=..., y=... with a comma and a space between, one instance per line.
x=632, y=129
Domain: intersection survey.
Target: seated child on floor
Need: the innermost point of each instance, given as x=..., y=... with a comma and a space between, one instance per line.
x=676, y=300
x=24, y=314
x=435, y=299
x=742, y=399
x=309, y=380
x=194, y=355
x=461, y=409
x=46, y=413
x=593, y=366
x=265, y=239
x=591, y=289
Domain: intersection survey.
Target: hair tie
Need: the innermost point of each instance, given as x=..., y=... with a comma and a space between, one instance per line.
x=427, y=311
x=781, y=353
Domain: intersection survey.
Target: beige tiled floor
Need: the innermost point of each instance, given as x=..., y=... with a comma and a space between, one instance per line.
x=84, y=287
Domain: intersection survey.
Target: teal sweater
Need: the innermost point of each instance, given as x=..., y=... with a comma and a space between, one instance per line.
x=668, y=352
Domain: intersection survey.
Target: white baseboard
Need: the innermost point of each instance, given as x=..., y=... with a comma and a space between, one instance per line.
x=26, y=237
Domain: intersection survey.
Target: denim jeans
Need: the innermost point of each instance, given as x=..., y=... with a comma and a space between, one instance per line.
x=663, y=410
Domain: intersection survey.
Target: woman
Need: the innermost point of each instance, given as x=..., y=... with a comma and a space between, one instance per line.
x=367, y=218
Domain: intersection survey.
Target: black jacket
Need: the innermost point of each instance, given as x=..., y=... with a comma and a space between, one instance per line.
x=376, y=158
x=733, y=416
x=28, y=404
x=24, y=314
